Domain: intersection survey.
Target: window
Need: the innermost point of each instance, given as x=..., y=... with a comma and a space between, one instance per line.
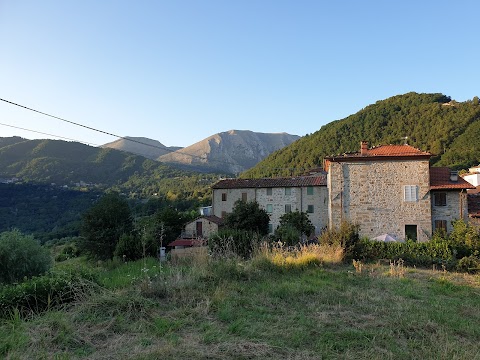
x=288, y=208
x=269, y=191
x=244, y=197
x=440, y=199
x=224, y=214
x=411, y=232
x=440, y=224
x=310, y=209
x=270, y=228
x=309, y=190
x=288, y=191
x=269, y=208
x=410, y=193
x=224, y=196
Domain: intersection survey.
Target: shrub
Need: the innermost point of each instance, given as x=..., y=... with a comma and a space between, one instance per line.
x=424, y=254
x=345, y=236
x=44, y=292
x=128, y=247
x=248, y=216
x=230, y=242
x=470, y=264
x=21, y=256
x=464, y=238
x=69, y=251
x=288, y=235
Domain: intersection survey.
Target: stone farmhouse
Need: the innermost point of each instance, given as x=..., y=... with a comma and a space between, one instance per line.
x=277, y=196
x=387, y=189
x=392, y=189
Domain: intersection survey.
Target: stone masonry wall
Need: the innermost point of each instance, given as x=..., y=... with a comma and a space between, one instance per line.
x=456, y=208
x=298, y=200
x=371, y=194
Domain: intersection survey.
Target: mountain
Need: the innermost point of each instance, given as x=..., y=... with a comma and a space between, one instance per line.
x=152, y=150
x=232, y=151
x=433, y=122
x=78, y=165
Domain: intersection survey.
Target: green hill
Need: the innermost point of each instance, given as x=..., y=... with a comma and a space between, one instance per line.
x=432, y=122
x=77, y=165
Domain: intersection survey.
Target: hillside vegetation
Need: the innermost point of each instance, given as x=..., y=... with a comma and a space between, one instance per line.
x=78, y=165
x=432, y=122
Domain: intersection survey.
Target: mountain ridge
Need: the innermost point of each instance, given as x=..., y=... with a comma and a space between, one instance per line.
x=432, y=122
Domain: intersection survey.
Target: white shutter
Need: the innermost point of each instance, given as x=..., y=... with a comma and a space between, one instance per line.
x=410, y=193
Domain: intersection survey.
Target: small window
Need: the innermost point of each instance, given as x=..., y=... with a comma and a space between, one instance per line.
x=269, y=191
x=441, y=224
x=244, y=197
x=288, y=191
x=270, y=228
x=224, y=214
x=224, y=196
x=288, y=208
x=269, y=208
x=410, y=193
x=440, y=199
x=309, y=190
x=310, y=209
x=411, y=232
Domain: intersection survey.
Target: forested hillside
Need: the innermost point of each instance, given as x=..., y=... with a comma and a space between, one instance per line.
x=81, y=166
x=432, y=122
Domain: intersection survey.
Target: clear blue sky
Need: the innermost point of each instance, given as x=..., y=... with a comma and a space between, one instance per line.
x=179, y=71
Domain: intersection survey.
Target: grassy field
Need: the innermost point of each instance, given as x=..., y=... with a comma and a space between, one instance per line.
x=276, y=306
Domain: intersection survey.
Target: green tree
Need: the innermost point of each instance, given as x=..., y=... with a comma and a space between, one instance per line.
x=248, y=216
x=21, y=256
x=298, y=220
x=104, y=224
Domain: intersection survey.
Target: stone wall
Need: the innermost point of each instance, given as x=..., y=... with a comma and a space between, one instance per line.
x=208, y=228
x=371, y=194
x=456, y=208
x=298, y=200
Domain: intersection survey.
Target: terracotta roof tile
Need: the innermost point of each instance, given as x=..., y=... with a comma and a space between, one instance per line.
x=440, y=180
x=213, y=218
x=384, y=150
x=271, y=182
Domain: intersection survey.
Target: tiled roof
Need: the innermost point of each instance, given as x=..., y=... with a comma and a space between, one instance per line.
x=474, y=205
x=299, y=181
x=384, y=150
x=440, y=180
x=187, y=242
x=213, y=218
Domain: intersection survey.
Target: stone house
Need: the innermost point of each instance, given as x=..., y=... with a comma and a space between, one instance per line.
x=202, y=227
x=392, y=189
x=277, y=196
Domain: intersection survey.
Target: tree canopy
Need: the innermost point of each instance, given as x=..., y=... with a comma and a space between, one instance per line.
x=248, y=216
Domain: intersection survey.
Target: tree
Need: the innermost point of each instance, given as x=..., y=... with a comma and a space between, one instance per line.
x=21, y=256
x=104, y=224
x=292, y=226
x=248, y=216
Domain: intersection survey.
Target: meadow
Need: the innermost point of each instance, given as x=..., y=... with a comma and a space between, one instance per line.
x=281, y=304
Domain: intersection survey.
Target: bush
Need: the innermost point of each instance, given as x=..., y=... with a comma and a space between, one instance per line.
x=345, y=236
x=288, y=235
x=470, y=264
x=129, y=246
x=230, y=242
x=413, y=253
x=44, y=292
x=21, y=256
x=69, y=251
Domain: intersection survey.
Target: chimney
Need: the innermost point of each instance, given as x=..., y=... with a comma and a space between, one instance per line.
x=453, y=176
x=363, y=147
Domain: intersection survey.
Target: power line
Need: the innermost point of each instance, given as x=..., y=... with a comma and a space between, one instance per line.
x=112, y=134
x=120, y=137
x=43, y=133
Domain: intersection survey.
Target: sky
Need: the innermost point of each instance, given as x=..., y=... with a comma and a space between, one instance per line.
x=179, y=71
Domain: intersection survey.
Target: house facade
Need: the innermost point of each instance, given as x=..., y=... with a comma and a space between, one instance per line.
x=392, y=189
x=202, y=227
x=277, y=196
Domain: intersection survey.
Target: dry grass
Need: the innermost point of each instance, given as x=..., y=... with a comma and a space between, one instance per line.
x=301, y=256
x=203, y=309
